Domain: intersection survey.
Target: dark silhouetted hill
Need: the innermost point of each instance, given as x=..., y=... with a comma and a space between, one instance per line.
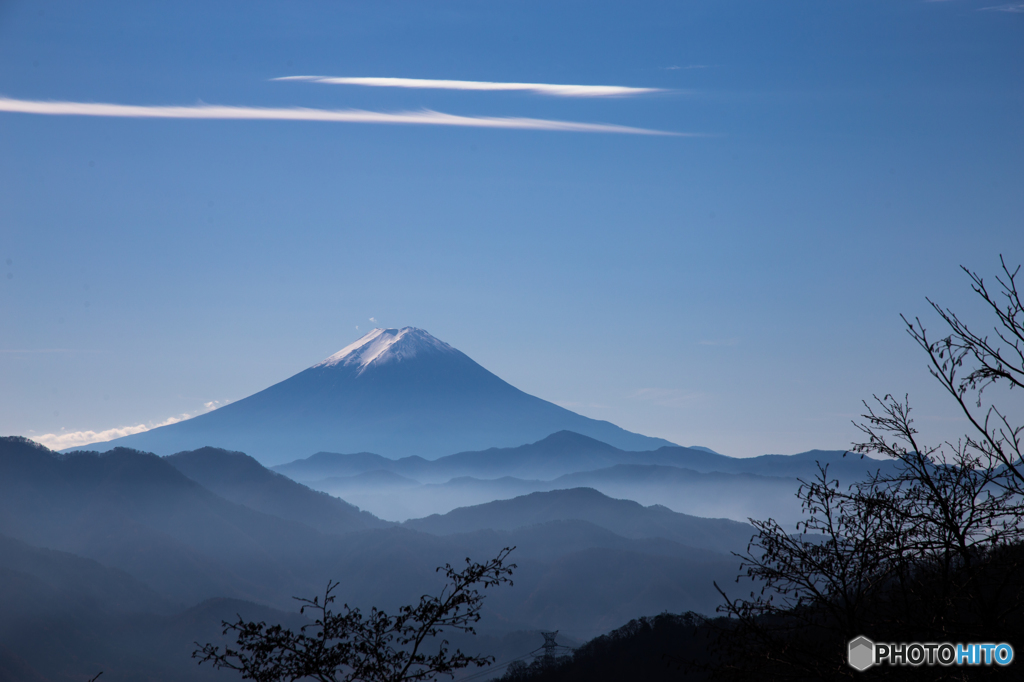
x=134, y=511
x=50, y=634
x=241, y=479
x=623, y=517
x=80, y=578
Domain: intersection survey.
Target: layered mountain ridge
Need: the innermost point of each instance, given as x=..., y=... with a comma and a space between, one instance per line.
x=691, y=480
x=121, y=561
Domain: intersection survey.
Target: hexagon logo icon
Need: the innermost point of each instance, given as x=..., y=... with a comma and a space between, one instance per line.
x=861, y=654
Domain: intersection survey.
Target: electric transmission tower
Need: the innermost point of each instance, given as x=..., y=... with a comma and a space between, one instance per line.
x=550, y=647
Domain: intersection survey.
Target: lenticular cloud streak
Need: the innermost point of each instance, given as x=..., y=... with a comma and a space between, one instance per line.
x=216, y=112
x=433, y=84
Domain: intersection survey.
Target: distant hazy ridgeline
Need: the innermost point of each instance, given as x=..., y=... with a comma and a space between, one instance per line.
x=690, y=480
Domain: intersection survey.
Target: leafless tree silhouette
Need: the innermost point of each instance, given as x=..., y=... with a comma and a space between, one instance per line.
x=349, y=646
x=931, y=552
x=966, y=363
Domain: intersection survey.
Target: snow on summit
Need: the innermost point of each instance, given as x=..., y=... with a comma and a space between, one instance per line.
x=382, y=346
x=394, y=392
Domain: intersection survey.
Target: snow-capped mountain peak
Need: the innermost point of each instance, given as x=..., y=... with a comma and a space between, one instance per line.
x=382, y=346
x=394, y=392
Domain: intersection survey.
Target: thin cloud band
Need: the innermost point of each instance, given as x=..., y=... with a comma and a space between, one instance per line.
x=551, y=89
x=218, y=112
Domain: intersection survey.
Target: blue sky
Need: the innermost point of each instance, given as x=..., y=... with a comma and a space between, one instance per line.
x=736, y=286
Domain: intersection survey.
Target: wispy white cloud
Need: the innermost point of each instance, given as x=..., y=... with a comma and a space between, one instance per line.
x=77, y=439
x=423, y=117
x=1015, y=7
x=551, y=89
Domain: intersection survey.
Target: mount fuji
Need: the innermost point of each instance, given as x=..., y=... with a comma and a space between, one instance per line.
x=394, y=392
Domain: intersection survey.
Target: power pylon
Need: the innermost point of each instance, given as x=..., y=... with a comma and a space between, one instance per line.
x=549, y=647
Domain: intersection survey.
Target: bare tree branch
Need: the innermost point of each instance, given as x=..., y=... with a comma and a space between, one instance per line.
x=348, y=646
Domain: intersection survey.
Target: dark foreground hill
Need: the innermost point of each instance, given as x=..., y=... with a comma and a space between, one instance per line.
x=135, y=512
x=811, y=643
x=64, y=618
x=74, y=578
x=62, y=640
x=663, y=648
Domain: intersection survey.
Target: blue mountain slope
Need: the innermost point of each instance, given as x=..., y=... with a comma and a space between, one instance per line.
x=393, y=392
x=623, y=517
x=241, y=479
